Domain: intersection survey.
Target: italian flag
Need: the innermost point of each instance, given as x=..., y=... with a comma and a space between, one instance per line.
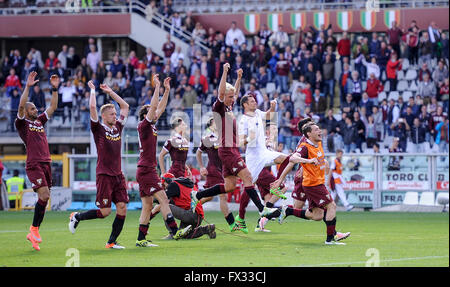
x=273, y=20
x=252, y=22
x=390, y=16
x=368, y=19
x=345, y=20
x=321, y=18
x=298, y=20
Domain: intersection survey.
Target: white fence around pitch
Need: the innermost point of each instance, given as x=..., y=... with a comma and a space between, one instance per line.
x=372, y=180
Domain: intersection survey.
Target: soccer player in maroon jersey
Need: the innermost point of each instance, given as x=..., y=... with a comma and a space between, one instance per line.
x=233, y=165
x=30, y=127
x=111, y=186
x=177, y=147
x=213, y=172
x=149, y=182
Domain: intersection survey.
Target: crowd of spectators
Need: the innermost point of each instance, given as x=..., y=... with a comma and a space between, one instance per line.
x=346, y=82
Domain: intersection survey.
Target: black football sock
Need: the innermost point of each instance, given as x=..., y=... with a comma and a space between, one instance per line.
x=143, y=229
x=39, y=212
x=229, y=218
x=331, y=229
x=172, y=224
x=212, y=191
x=116, y=228
x=269, y=204
x=300, y=213
x=250, y=190
x=90, y=214
x=274, y=214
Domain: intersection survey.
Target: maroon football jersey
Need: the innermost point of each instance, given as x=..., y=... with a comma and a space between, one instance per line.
x=227, y=129
x=109, y=143
x=147, y=135
x=177, y=146
x=210, y=145
x=33, y=136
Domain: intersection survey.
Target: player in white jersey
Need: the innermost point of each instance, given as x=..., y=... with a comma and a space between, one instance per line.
x=252, y=135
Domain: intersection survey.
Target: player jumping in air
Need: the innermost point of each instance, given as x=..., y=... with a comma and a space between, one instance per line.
x=312, y=158
x=233, y=165
x=149, y=182
x=213, y=172
x=30, y=127
x=110, y=182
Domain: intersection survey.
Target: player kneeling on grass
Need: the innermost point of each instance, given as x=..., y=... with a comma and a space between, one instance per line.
x=312, y=158
x=178, y=190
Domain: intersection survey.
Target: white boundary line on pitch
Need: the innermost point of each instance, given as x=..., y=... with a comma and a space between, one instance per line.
x=363, y=262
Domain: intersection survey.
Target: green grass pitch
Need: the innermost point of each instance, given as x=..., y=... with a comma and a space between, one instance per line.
x=396, y=239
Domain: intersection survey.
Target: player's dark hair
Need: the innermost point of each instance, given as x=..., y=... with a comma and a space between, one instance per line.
x=307, y=128
x=339, y=151
x=302, y=123
x=245, y=99
x=16, y=172
x=143, y=112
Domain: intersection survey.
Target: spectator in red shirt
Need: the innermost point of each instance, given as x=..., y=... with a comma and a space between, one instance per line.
x=51, y=63
x=343, y=47
x=373, y=88
x=307, y=91
x=201, y=80
x=282, y=72
x=392, y=67
x=12, y=82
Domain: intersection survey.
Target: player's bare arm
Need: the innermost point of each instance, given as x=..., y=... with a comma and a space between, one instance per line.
x=162, y=166
x=203, y=170
x=124, y=107
x=270, y=113
x=151, y=113
x=54, y=82
x=163, y=103
x=237, y=84
x=93, y=102
x=31, y=81
x=223, y=82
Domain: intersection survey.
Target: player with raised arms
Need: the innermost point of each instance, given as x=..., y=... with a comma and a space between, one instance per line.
x=233, y=165
x=213, y=171
x=149, y=182
x=30, y=127
x=110, y=181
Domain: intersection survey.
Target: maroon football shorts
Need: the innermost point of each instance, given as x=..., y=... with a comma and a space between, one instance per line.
x=298, y=193
x=110, y=189
x=39, y=174
x=318, y=196
x=213, y=180
x=232, y=162
x=149, y=181
x=265, y=178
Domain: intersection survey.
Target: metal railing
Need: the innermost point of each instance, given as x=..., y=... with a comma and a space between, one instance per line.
x=227, y=6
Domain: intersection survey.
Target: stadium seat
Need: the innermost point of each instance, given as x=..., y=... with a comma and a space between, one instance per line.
x=402, y=86
x=405, y=64
x=442, y=198
x=411, y=75
x=270, y=88
x=426, y=198
x=411, y=198
x=366, y=161
x=413, y=86
x=400, y=75
x=387, y=86
x=364, y=85
x=406, y=95
x=393, y=95
x=383, y=76
x=381, y=96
